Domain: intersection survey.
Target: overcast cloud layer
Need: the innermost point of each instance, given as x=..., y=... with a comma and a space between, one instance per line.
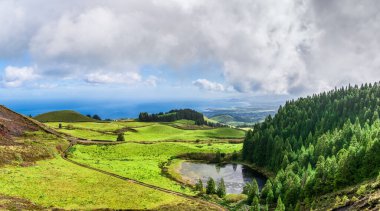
x=276, y=47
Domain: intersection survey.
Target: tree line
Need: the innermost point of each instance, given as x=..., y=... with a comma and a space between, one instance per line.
x=173, y=115
x=318, y=144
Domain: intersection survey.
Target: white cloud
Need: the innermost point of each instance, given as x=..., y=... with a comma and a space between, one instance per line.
x=152, y=81
x=208, y=85
x=268, y=46
x=113, y=78
x=45, y=85
x=17, y=76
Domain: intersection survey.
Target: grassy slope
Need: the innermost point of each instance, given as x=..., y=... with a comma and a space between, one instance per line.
x=32, y=146
x=63, y=116
x=223, y=118
x=57, y=183
x=142, y=161
x=147, y=131
x=210, y=120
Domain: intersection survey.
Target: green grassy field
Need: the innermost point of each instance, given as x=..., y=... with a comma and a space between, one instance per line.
x=90, y=134
x=101, y=126
x=159, y=132
x=144, y=131
x=58, y=183
x=142, y=161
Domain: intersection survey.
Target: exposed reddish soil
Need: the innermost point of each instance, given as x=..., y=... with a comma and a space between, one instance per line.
x=13, y=203
x=13, y=125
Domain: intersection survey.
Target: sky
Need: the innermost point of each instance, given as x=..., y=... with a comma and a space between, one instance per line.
x=141, y=50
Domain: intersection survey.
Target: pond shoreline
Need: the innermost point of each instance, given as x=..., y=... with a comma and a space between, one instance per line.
x=173, y=167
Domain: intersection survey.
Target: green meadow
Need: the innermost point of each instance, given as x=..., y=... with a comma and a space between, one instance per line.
x=51, y=182
x=60, y=184
x=143, y=161
x=146, y=131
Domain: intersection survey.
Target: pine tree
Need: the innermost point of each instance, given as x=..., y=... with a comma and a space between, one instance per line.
x=253, y=192
x=221, y=191
x=267, y=187
x=280, y=206
x=255, y=188
x=210, y=188
x=270, y=197
x=255, y=204
x=199, y=186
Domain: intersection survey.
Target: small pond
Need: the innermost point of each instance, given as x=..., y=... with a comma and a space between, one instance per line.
x=235, y=175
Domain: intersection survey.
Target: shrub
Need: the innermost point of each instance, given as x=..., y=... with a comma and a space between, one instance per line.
x=345, y=200
x=361, y=190
x=96, y=117
x=233, y=198
x=120, y=137
x=354, y=199
x=18, y=157
x=338, y=201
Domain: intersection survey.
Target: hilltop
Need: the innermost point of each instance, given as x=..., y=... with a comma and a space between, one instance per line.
x=63, y=116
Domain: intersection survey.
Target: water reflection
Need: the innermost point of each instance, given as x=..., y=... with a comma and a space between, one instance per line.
x=234, y=175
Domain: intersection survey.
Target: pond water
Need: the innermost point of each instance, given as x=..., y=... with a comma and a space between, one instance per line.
x=235, y=175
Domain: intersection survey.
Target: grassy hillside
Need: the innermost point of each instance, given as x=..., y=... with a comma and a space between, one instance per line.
x=23, y=142
x=224, y=118
x=63, y=116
